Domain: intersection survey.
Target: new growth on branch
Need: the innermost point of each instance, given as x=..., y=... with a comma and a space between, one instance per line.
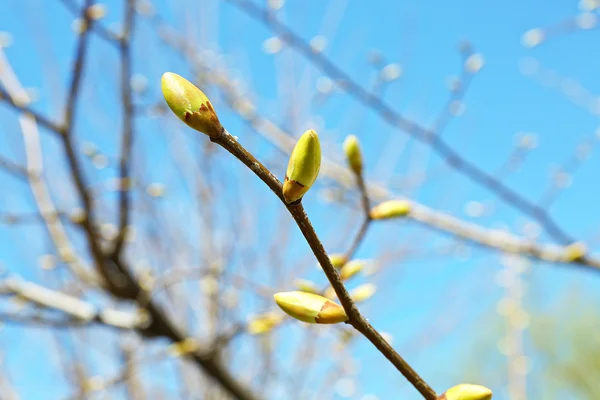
x=192, y=106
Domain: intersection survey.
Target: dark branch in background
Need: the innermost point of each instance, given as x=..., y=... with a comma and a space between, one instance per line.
x=393, y=118
x=117, y=273
x=355, y=317
x=81, y=313
x=127, y=142
x=104, y=33
x=40, y=119
x=429, y=217
x=14, y=168
x=457, y=93
x=366, y=207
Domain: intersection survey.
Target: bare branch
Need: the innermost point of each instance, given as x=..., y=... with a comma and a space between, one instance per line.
x=128, y=130
x=355, y=317
x=81, y=311
x=396, y=120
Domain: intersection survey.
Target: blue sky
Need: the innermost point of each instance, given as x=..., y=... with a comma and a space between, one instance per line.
x=421, y=37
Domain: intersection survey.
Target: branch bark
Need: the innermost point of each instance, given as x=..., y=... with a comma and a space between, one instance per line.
x=356, y=319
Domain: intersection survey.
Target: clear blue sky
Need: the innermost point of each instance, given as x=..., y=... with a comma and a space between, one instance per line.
x=423, y=38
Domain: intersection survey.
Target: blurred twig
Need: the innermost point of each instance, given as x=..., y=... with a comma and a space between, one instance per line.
x=428, y=137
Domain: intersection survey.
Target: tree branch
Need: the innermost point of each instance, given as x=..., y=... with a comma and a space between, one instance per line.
x=127, y=137
x=81, y=311
x=396, y=120
x=355, y=317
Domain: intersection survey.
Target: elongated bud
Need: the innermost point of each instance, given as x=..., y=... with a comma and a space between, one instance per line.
x=467, y=392
x=353, y=154
x=190, y=104
x=337, y=260
x=363, y=292
x=304, y=285
x=330, y=293
x=303, y=167
x=310, y=308
x=391, y=209
x=264, y=323
x=351, y=268
x=186, y=346
x=574, y=252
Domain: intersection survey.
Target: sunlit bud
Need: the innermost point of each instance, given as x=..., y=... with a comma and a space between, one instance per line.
x=318, y=43
x=79, y=26
x=186, y=346
x=155, y=189
x=272, y=45
x=474, y=63
x=353, y=154
x=351, y=268
x=574, y=252
x=93, y=384
x=338, y=260
x=330, y=293
x=363, y=292
x=467, y=392
x=96, y=11
x=391, y=209
x=78, y=216
x=310, y=307
x=533, y=37
x=304, y=285
x=264, y=323
x=190, y=104
x=391, y=72
x=303, y=167
x=47, y=261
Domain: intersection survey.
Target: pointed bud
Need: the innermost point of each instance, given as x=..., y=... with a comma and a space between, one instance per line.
x=467, y=392
x=303, y=167
x=337, y=260
x=190, y=105
x=186, y=346
x=304, y=285
x=391, y=209
x=264, y=323
x=363, y=292
x=353, y=154
x=574, y=252
x=351, y=268
x=330, y=293
x=310, y=308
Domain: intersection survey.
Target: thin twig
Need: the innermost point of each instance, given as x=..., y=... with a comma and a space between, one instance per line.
x=128, y=130
x=34, y=174
x=81, y=311
x=355, y=317
x=396, y=120
x=22, y=107
x=366, y=208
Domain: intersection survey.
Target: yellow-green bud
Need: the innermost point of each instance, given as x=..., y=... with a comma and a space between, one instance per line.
x=363, y=292
x=391, y=209
x=351, y=268
x=310, y=308
x=467, y=392
x=190, y=104
x=304, y=285
x=264, y=323
x=574, y=252
x=303, y=167
x=353, y=154
x=186, y=346
x=337, y=260
x=330, y=293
